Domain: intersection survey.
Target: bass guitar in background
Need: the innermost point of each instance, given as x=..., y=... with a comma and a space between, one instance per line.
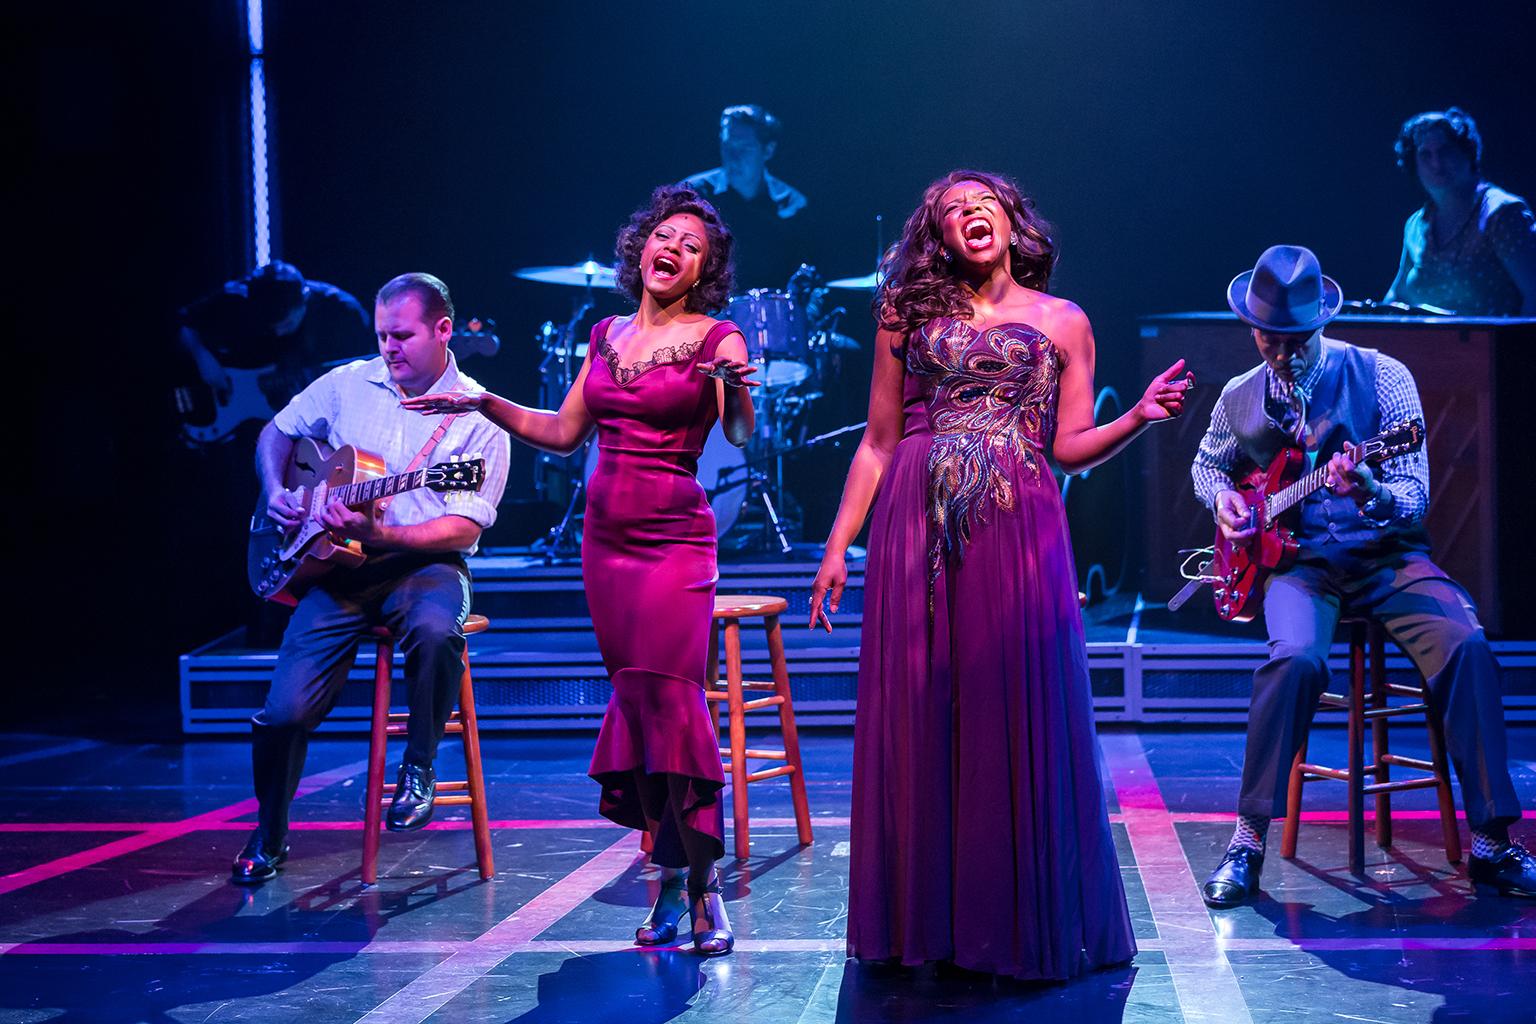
x=212, y=417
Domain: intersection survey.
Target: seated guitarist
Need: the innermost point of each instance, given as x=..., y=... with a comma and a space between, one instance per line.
x=414, y=580
x=1363, y=549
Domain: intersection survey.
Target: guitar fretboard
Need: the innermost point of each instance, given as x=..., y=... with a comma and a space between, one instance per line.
x=1289, y=497
x=364, y=491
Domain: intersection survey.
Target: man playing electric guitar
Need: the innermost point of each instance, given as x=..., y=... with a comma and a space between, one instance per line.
x=1362, y=548
x=414, y=579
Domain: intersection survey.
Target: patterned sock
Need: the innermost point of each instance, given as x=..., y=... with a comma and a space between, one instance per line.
x=1489, y=846
x=1250, y=832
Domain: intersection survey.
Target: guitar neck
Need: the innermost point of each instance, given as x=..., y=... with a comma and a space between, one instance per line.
x=1289, y=497
x=364, y=491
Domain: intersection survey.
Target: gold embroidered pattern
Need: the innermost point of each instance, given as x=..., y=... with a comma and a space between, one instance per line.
x=992, y=402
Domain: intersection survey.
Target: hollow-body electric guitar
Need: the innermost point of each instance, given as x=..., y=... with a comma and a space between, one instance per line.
x=281, y=563
x=1238, y=570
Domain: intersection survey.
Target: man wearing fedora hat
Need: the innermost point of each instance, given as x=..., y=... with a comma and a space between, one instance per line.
x=1363, y=548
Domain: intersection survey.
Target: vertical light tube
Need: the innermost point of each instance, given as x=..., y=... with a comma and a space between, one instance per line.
x=261, y=214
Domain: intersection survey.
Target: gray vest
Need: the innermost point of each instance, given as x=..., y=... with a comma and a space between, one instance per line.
x=1344, y=407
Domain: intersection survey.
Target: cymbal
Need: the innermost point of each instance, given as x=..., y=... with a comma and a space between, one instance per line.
x=579, y=274
x=868, y=283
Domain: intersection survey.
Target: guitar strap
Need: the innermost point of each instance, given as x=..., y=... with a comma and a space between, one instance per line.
x=424, y=454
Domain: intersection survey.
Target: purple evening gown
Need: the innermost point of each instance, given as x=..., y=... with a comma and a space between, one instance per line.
x=980, y=834
x=648, y=562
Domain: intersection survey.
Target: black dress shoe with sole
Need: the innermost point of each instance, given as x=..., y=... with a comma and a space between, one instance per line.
x=1235, y=880
x=1512, y=873
x=259, y=861
x=415, y=789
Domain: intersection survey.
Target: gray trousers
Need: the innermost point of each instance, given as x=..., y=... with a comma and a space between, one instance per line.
x=423, y=601
x=1426, y=614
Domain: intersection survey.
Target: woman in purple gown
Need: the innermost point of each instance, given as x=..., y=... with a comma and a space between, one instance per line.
x=980, y=835
x=653, y=385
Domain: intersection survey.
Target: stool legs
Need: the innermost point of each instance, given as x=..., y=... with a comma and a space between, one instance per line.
x=373, y=792
x=466, y=724
x=1372, y=706
x=1356, y=749
x=469, y=726
x=787, y=726
x=738, y=730
x=1379, y=751
x=1448, y=829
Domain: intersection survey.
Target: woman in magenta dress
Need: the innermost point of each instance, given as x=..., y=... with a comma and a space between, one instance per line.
x=980, y=835
x=653, y=385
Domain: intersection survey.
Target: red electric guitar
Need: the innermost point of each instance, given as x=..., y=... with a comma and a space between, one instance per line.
x=1238, y=571
x=281, y=564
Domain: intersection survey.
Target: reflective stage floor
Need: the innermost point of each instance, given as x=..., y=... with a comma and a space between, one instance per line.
x=114, y=904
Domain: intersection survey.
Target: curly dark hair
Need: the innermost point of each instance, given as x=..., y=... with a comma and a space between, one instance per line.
x=1457, y=122
x=712, y=290
x=920, y=284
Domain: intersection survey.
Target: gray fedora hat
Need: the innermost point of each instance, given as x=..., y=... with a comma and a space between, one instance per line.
x=1285, y=292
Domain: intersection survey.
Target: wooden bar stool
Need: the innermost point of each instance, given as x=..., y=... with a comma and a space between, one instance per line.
x=1367, y=637
x=462, y=722
x=730, y=609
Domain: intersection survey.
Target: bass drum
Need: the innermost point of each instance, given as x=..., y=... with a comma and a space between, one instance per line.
x=722, y=473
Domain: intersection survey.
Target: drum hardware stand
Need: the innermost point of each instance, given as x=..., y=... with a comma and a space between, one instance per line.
x=757, y=490
x=561, y=546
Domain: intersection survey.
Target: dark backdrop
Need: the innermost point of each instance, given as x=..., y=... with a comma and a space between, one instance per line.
x=1169, y=143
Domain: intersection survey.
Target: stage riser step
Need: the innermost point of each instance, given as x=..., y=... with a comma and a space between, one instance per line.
x=1128, y=686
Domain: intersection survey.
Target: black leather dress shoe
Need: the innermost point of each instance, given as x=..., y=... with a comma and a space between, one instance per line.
x=1235, y=879
x=415, y=790
x=1512, y=873
x=259, y=861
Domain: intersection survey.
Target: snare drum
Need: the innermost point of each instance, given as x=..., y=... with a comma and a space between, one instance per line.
x=774, y=327
x=722, y=473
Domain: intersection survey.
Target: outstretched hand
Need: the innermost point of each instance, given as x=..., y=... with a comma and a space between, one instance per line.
x=1164, y=397
x=444, y=401
x=732, y=371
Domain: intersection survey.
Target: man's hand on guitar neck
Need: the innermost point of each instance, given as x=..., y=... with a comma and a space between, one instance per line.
x=1234, y=517
x=1349, y=479
x=363, y=525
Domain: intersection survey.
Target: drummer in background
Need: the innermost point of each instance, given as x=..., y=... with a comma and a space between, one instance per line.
x=1471, y=249
x=763, y=211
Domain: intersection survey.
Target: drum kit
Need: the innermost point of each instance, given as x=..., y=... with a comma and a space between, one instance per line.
x=791, y=336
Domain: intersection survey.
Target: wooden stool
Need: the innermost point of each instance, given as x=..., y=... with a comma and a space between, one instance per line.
x=462, y=722
x=729, y=611
x=1367, y=635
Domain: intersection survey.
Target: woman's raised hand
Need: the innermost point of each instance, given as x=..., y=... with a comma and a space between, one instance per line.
x=444, y=401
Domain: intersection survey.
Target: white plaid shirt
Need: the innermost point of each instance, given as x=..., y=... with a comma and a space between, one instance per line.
x=1406, y=477
x=358, y=404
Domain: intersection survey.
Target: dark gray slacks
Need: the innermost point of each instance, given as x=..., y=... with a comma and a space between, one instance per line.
x=423, y=602
x=1434, y=622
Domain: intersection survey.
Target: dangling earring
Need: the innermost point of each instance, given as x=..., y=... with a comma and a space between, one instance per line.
x=1013, y=239
x=949, y=257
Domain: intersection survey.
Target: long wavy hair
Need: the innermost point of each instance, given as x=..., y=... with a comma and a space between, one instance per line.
x=920, y=284
x=713, y=288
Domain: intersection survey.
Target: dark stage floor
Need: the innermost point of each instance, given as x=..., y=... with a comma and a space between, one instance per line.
x=114, y=904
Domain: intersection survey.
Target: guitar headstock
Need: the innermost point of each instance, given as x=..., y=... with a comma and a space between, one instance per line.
x=1398, y=439
x=457, y=475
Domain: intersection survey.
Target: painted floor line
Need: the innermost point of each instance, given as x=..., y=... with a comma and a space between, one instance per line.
x=1203, y=979
x=163, y=832
x=440, y=984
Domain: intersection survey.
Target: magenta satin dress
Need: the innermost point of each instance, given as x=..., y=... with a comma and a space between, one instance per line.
x=980, y=833
x=648, y=562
